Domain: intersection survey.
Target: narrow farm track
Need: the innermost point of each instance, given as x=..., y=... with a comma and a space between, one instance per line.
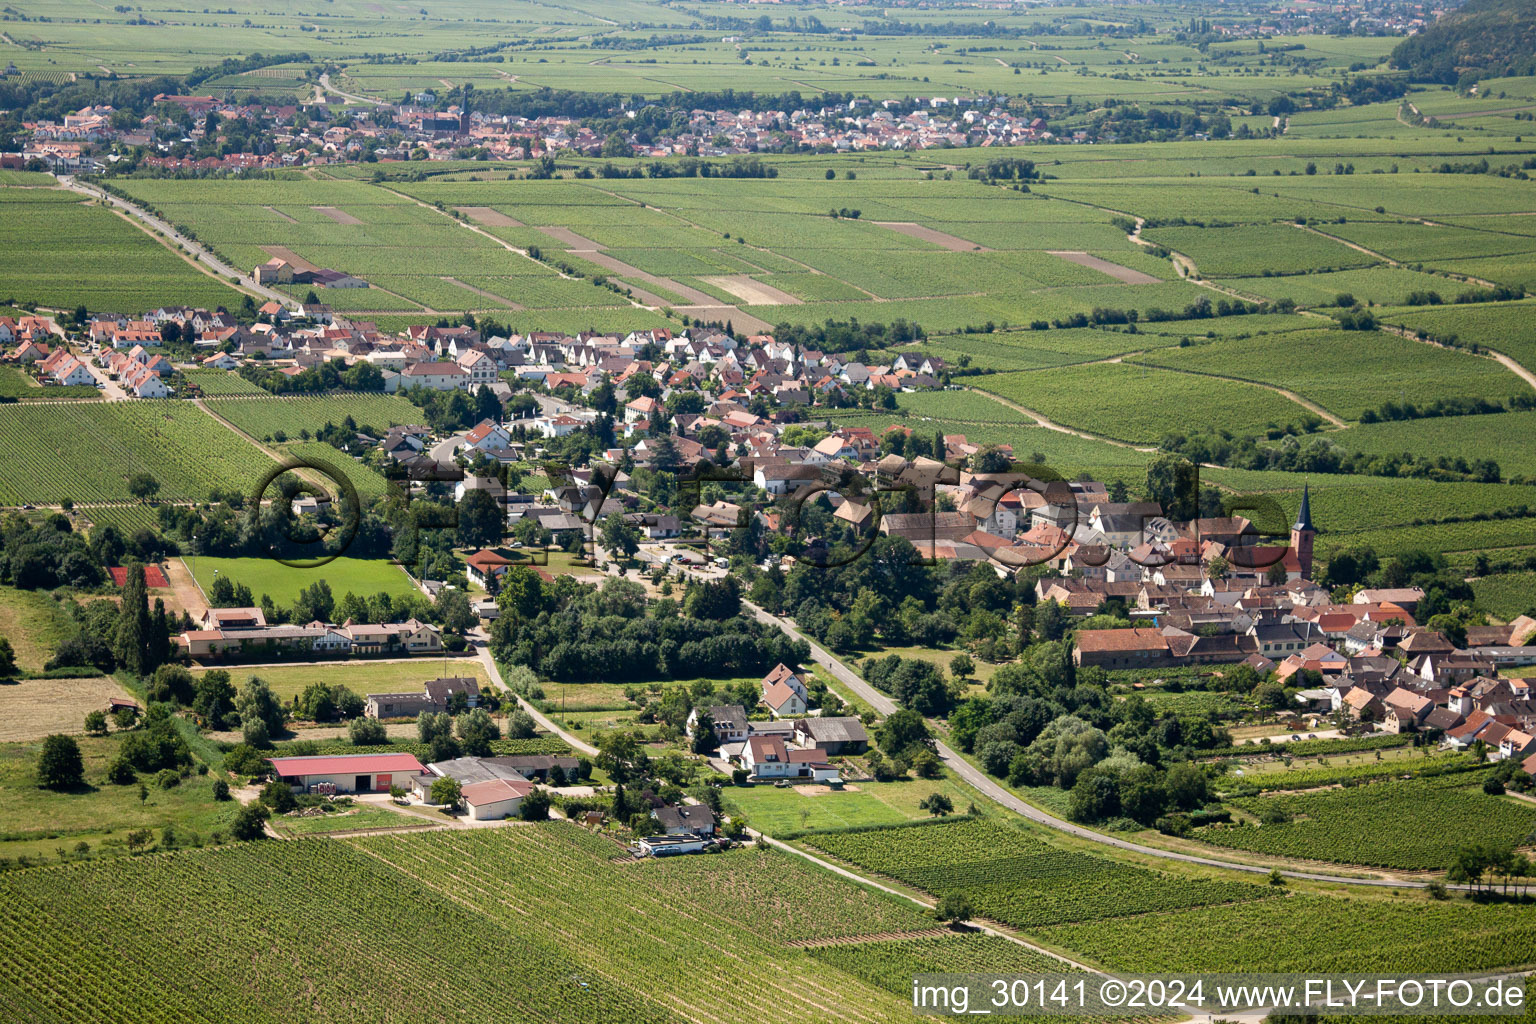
x=838, y=869
x=1305, y=403
x=276, y=456
x=1389, y=261
x=202, y=257
x=1042, y=421
x=1503, y=360
x=987, y=787
x=483, y=652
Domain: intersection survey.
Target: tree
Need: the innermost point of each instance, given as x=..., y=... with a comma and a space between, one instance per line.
x=367, y=732
x=955, y=908
x=937, y=804
x=220, y=790
x=619, y=537
x=961, y=666
x=535, y=806
x=622, y=757
x=261, y=713
x=132, y=641
x=143, y=486
x=1276, y=575
x=704, y=732
x=7, y=659
x=520, y=725
x=1173, y=482
x=250, y=823
x=477, y=731
x=453, y=609
x=96, y=723
x=59, y=765
x=480, y=520
x=446, y=791
x=278, y=795
x=902, y=730
x=138, y=839
x=214, y=698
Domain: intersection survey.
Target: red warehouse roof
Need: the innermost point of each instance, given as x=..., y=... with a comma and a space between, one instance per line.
x=345, y=764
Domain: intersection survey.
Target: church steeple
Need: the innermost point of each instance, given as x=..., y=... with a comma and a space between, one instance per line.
x=1304, y=515
x=1303, y=533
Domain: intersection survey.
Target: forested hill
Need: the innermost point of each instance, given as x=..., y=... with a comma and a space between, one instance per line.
x=1482, y=39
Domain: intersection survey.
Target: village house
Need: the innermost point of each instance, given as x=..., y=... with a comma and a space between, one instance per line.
x=436, y=695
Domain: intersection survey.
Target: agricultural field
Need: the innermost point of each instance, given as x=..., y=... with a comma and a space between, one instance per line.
x=1347, y=770
x=14, y=383
x=282, y=583
x=1330, y=934
x=1140, y=404
x=56, y=250
x=288, y=681
x=858, y=804
x=1258, y=250
x=33, y=708
x=36, y=822
x=1509, y=328
x=1467, y=437
x=1507, y=595
x=1018, y=879
x=221, y=383
x=35, y=625
x=188, y=452
x=1346, y=372
x=370, y=483
x=266, y=417
x=1414, y=825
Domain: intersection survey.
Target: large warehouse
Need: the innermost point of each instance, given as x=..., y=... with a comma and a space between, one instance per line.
x=348, y=773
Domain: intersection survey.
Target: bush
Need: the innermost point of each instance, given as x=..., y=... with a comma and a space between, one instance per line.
x=120, y=772
x=168, y=778
x=535, y=806
x=367, y=732
x=220, y=789
x=249, y=823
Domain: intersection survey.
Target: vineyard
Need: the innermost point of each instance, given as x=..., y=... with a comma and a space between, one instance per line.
x=1414, y=825
x=215, y=383
x=368, y=481
x=88, y=452
x=14, y=383
x=1322, y=934
x=266, y=418
x=1301, y=776
x=1014, y=878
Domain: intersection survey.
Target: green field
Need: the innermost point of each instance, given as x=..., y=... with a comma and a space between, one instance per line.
x=37, y=822
x=88, y=452
x=615, y=953
x=266, y=418
x=288, y=681
x=34, y=624
x=774, y=811
x=57, y=251
x=282, y=583
x=1010, y=875
x=1415, y=825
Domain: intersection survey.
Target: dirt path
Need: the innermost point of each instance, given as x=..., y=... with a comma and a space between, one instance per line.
x=313, y=477
x=1042, y=421
x=1389, y=261
x=1305, y=403
x=483, y=650
x=184, y=589
x=1503, y=360
x=483, y=293
x=752, y=291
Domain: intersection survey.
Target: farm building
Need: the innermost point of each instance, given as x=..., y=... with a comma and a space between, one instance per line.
x=435, y=695
x=349, y=773
x=834, y=736
x=494, y=798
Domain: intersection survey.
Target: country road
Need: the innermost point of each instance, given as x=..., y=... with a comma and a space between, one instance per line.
x=989, y=788
x=199, y=254
x=483, y=650
x=327, y=87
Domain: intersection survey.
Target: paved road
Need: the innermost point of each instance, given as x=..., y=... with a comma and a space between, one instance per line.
x=199, y=253
x=979, y=780
x=483, y=651
x=326, y=86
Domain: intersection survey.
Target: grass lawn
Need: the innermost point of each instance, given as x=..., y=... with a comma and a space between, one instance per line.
x=1335, y=761
x=363, y=577
x=35, y=821
x=556, y=563
x=360, y=677
x=34, y=623
x=347, y=821
x=776, y=811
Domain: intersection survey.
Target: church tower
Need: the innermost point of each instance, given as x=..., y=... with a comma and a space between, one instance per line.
x=1302, y=534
